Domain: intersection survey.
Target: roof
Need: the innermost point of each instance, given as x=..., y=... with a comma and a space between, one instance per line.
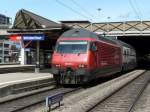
x=79, y=32
x=28, y=20
x=121, y=43
x=78, y=21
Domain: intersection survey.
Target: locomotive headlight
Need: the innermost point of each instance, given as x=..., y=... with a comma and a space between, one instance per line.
x=57, y=65
x=82, y=66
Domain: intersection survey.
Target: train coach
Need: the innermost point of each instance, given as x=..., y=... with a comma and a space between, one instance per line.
x=81, y=55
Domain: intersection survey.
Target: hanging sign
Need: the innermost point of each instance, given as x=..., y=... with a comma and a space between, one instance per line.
x=33, y=37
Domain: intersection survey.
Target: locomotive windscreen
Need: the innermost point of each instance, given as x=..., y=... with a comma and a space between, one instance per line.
x=72, y=47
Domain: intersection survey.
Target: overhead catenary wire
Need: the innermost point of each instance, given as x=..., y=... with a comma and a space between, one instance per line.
x=81, y=7
x=138, y=8
x=70, y=8
x=134, y=9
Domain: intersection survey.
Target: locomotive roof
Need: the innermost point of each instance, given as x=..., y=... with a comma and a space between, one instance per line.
x=79, y=32
x=124, y=44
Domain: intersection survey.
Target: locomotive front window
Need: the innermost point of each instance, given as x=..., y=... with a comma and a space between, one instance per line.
x=71, y=47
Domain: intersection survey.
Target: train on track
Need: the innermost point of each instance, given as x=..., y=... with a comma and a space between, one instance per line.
x=81, y=55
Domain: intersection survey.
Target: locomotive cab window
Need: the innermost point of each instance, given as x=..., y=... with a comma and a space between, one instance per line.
x=93, y=46
x=72, y=47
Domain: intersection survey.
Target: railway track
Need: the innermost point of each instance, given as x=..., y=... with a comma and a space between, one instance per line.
x=122, y=100
x=125, y=98
x=24, y=102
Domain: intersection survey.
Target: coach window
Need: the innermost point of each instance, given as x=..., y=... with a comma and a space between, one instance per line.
x=124, y=52
x=127, y=52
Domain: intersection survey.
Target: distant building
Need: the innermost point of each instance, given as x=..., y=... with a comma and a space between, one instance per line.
x=5, y=20
x=9, y=51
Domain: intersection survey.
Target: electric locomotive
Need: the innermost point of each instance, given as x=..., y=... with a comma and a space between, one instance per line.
x=81, y=55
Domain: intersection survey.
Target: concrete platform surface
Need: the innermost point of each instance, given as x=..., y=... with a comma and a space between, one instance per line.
x=15, y=83
x=15, y=78
x=14, y=66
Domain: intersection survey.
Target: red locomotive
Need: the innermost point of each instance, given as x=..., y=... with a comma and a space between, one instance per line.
x=81, y=55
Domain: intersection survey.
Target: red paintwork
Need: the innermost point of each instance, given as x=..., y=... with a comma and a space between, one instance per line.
x=107, y=55
x=72, y=60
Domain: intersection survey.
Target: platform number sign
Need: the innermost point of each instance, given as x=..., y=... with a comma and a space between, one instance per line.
x=53, y=99
x=33, y=37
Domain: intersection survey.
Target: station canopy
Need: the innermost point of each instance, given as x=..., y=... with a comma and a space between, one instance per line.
x=26, y=21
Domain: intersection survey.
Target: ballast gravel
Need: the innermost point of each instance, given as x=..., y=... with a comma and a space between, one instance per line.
x=143, y=104
x=87, y=99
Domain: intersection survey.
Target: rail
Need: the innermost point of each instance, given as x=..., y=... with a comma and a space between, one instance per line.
x=125, y=98
x=27, y=101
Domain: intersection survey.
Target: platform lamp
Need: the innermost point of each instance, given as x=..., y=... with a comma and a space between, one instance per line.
x=108, y=18
x=99, y=10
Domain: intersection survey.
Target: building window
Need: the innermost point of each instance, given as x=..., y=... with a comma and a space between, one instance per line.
x=6, y=45
x=1, y=44
x=6, y=52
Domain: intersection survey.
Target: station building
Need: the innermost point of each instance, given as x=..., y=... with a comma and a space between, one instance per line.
x=9, y=51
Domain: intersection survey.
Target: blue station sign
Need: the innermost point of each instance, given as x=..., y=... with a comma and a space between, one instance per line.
x=33, y=37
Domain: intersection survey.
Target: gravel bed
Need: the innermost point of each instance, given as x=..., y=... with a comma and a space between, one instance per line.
x=40, y=107
x=143, y=104
x=123, y=99
x=83, y=101
x=14, y=105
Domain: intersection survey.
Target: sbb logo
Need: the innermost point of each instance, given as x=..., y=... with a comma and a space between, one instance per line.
x=15, y=37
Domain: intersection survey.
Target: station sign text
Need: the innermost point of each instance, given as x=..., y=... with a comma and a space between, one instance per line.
x=33, y=37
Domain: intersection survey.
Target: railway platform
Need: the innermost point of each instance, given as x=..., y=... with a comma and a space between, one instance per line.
x=20, y=82
x=15, y=68
x=13, y=65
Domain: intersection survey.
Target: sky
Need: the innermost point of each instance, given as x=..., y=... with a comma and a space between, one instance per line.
x=92, y=10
